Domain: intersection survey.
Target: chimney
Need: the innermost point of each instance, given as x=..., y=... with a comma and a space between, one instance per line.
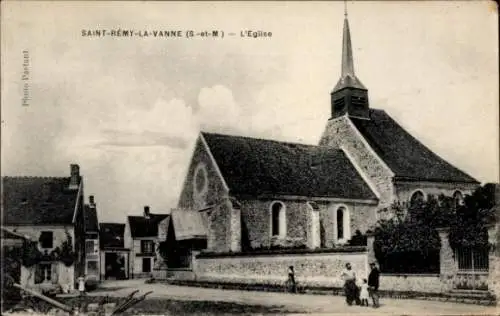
x=74, y=182
x=146, y=212
x=91, y=201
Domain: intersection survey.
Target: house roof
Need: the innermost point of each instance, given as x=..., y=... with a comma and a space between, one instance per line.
x=38, y=201
x=405, y=155
x=141, y=226
x=188, y=224
x=90, y=219
x=111, y=235
x=257, y=166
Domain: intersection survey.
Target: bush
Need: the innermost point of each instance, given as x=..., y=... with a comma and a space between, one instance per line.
x=358, y=239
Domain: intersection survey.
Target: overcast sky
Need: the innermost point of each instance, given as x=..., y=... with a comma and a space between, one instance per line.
x=128, y=110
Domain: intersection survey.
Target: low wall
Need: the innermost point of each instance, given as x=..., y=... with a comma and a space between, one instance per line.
x=427, y=283
x=321, y=269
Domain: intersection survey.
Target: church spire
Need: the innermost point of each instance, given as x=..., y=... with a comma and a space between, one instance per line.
x=347, y=77
x=349, y=96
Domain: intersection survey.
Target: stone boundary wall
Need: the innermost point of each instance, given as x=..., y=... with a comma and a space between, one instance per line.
x=427, y=283
x=321, y=269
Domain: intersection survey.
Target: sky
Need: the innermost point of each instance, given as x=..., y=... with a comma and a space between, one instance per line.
x=128, y=109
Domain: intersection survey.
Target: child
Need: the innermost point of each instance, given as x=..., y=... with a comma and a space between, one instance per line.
x=364, y=293
x=81, y=285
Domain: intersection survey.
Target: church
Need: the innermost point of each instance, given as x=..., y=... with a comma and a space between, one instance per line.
x=247, y=195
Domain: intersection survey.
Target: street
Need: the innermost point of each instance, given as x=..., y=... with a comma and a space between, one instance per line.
x=290, y=303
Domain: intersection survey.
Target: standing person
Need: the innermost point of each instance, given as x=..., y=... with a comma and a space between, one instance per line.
x=373, y=283
x=364, y=293
x=291, y=280
x=81, y=285
x=350, y=288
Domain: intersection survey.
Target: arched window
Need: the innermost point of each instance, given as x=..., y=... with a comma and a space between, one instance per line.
x=340, y=223
x=458, y=198
x=278, y=219
x=416, y=198
x=343, y=225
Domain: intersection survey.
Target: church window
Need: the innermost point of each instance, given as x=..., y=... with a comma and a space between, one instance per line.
x=458, y=198
x=343, y=225
x=278, y=219
x=416, y=198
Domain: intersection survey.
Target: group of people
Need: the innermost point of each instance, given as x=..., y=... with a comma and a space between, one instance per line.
x=369, y=288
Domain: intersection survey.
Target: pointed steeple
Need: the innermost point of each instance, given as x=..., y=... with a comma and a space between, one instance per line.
x=349, y=96
x=347, y=77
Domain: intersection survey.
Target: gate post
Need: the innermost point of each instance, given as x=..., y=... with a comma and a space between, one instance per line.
x=494, y=261
x=370, y=238
x=447, y=265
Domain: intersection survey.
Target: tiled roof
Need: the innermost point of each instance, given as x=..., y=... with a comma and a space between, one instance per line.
x=188, y=224
x=141, y=226
x=257, y=166
x=404, y=155
x=111, y=235
x=37, y=201
x=90, y=219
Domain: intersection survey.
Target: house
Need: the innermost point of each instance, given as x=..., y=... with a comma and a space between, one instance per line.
x=249, y=195
x=114, y=257
x=50, y=212
x=141, y=237
x=91, y=228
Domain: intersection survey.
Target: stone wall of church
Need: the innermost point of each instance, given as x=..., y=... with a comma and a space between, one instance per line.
x=213, y=190
x=341, y=133
x=362, y=217
x=256, y=221
x=219, y=229
x=404, y=190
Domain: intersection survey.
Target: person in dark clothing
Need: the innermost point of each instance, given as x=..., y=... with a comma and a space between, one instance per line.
x=292, y=286
x=373, y=283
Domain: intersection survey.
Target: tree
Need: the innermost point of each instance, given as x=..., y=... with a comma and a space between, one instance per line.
x=67, y=255
x=468, y=228
x=408, y=241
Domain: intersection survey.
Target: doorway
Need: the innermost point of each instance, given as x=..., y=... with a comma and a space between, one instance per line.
x=114, y=266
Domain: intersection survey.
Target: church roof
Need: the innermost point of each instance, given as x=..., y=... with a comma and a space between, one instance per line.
x=252, y=166
x=38, y=201
x=408, y=158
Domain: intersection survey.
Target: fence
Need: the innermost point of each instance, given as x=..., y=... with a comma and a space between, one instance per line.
x=472, y=259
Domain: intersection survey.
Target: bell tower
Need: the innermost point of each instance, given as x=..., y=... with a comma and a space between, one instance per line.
x=349, y=96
